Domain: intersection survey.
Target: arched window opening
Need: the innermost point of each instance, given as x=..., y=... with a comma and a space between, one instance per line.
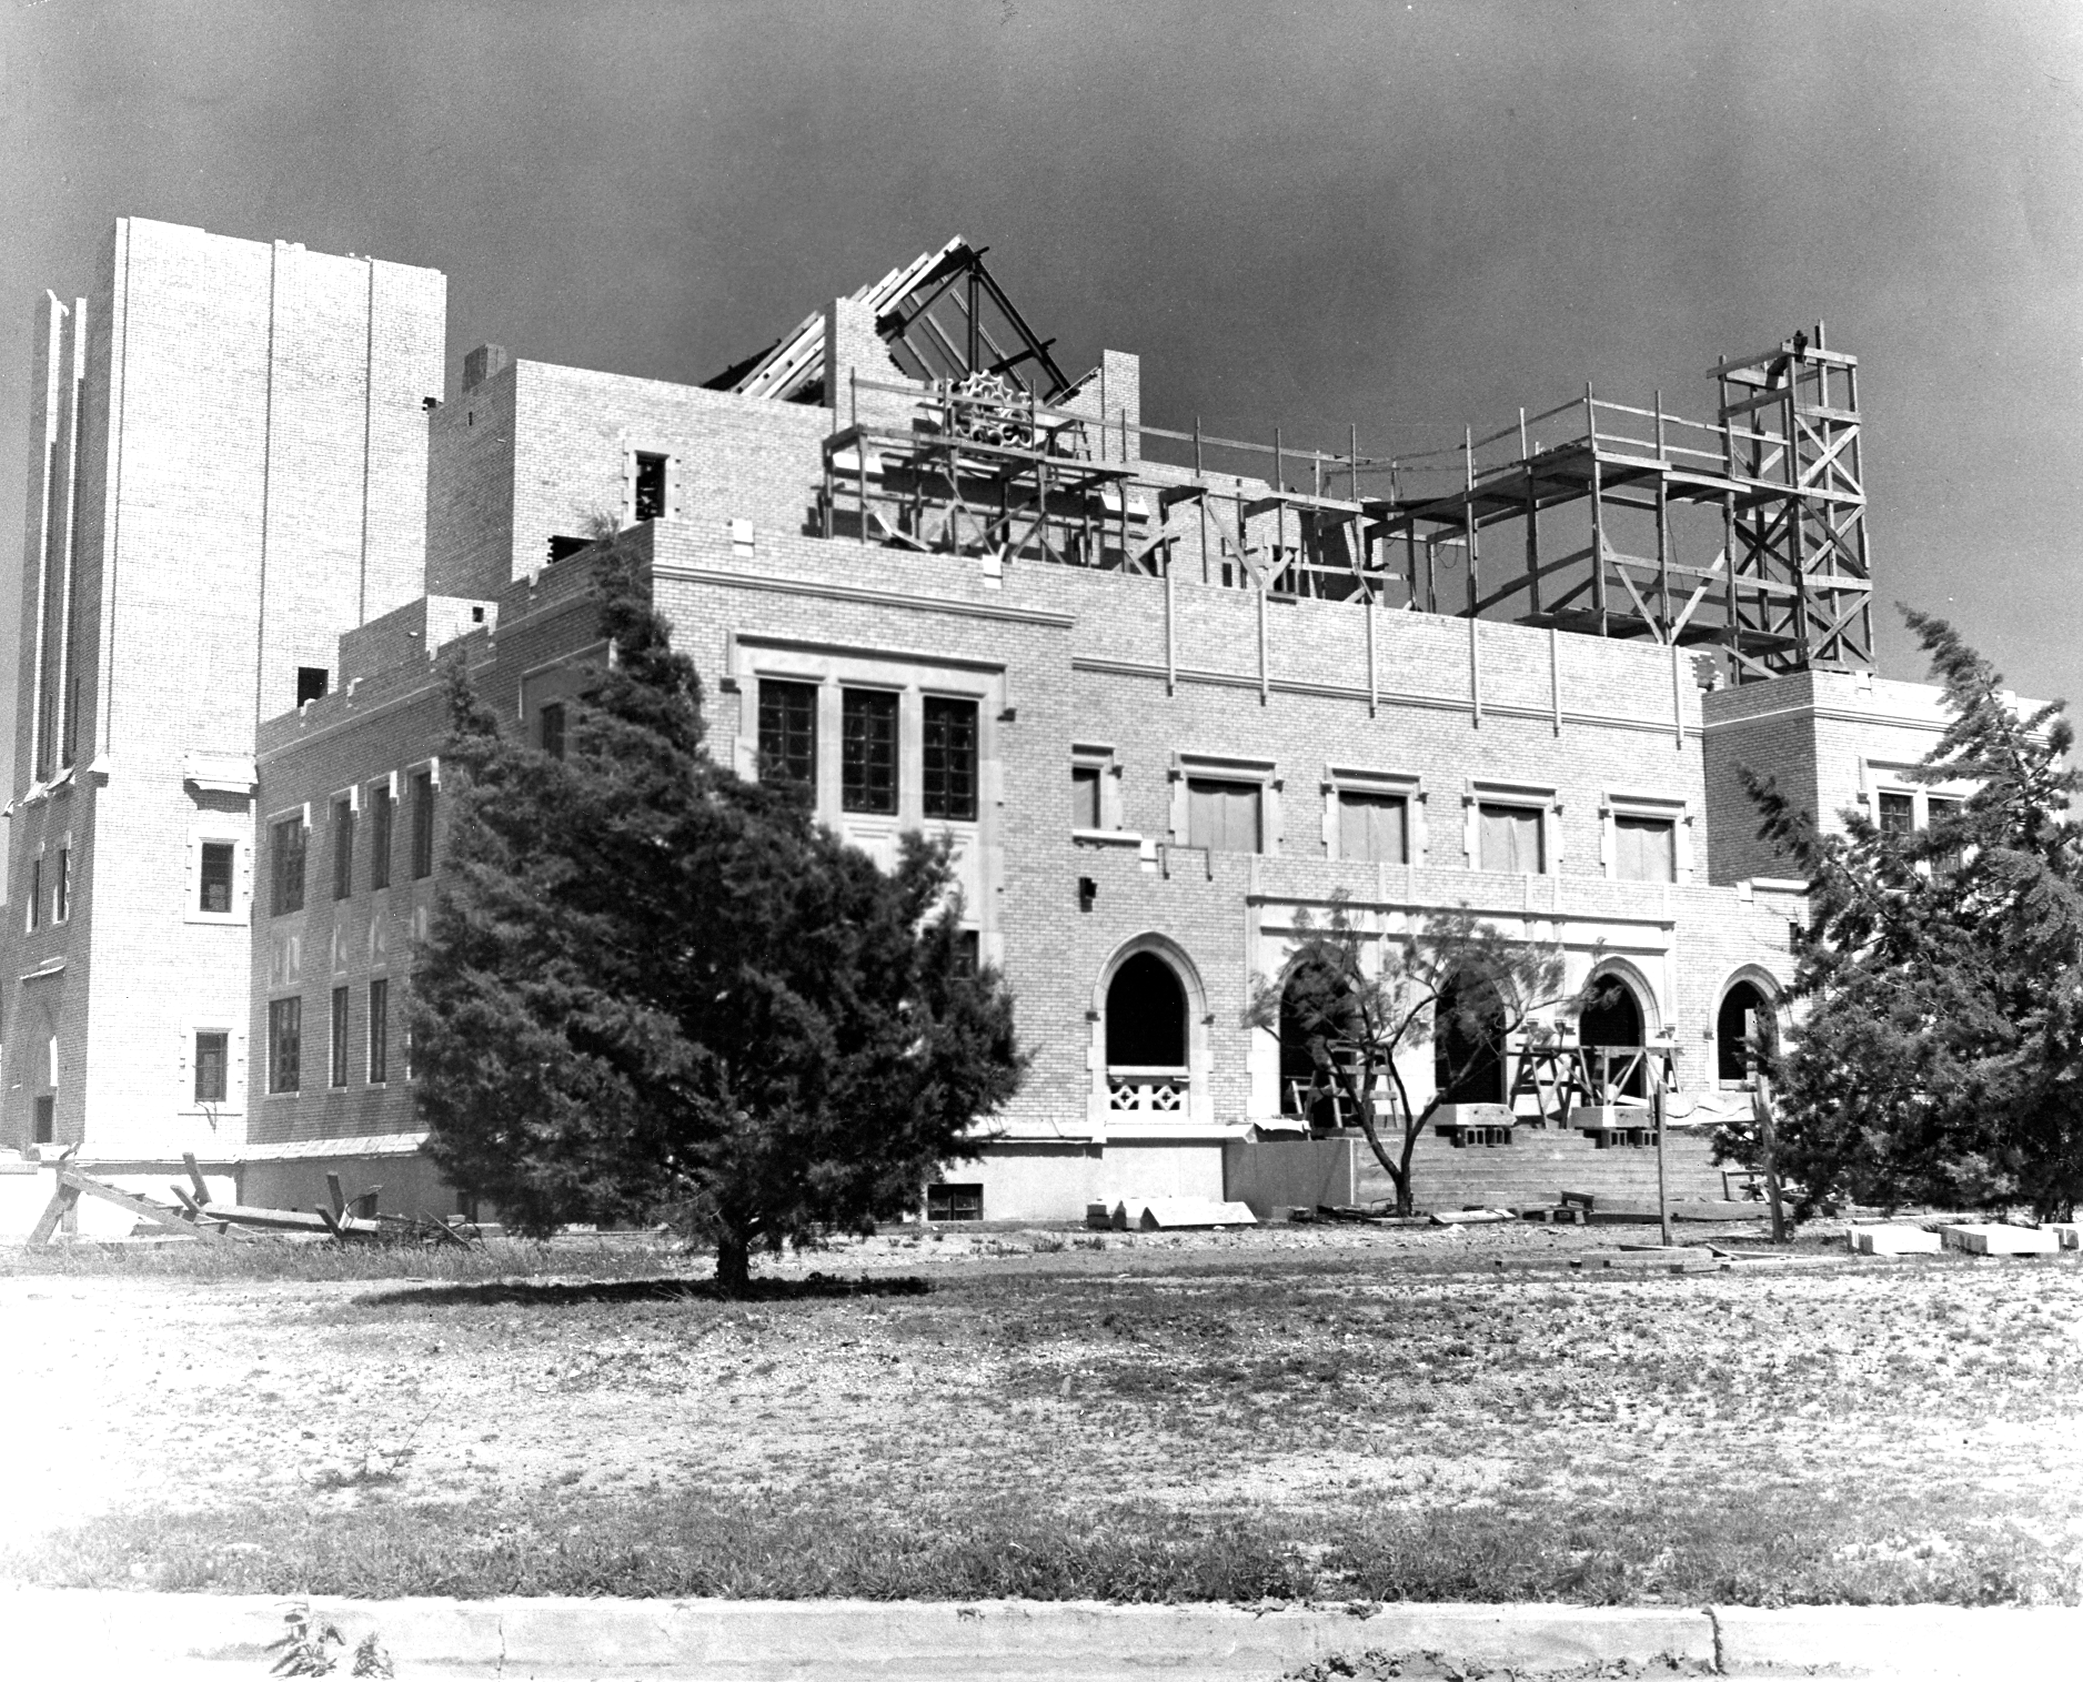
x=1746, y=1024
x=1146, y=1015
x=1468, y=1041
x=1310, y=1006
x=1612, y=1024
x=1146, y=1037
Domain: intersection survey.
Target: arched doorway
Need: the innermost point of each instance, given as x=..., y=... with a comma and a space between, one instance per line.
x=1745, y=1024
x=1146, y=1036
x=1310, y=1011
x=1612, y=1022
x=1468, y=1041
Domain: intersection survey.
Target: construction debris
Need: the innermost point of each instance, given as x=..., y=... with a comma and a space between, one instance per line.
x=1164, y=1214
x=215, y=1223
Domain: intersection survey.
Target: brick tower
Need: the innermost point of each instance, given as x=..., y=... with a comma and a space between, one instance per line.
x=228, y=469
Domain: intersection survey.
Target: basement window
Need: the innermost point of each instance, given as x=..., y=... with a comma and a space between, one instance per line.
x=650, y=487
x=955, y=1203
x=311, y=683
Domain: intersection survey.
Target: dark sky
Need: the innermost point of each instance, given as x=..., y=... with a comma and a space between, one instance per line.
x=1409, y=217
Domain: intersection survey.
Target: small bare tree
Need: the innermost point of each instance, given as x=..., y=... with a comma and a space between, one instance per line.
x=1454, y=981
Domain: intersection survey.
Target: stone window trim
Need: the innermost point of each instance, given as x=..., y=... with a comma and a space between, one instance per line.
x=834, y=668
x=1630, y=803
x=232, y=1026
x=633, y=446
x=1501, y=791
x=1187, y=764
x=1408, y=786
x=1197, y=1114
x=1883, y=776
x=221, y=833
x=1100, y=757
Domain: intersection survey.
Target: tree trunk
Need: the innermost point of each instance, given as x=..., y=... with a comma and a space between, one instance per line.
x=733, y=1266
x=1768, y=1154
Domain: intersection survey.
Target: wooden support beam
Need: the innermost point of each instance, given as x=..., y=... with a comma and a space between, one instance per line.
x=85, y=1186
x=64, y=1199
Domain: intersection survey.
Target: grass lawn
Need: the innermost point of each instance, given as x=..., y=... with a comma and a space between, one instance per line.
x=1349, y=1416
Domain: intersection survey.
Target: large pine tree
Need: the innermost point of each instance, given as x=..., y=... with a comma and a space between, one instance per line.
x=656, y=990
x=1939, y=1056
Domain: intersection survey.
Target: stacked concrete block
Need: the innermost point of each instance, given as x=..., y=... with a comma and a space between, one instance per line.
x=1892, y=1240
x=1987, y=1238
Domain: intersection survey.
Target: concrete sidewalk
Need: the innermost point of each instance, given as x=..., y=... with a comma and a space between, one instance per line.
x=58, y=1632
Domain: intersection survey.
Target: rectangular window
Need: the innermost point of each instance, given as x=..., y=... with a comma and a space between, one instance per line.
x=336, y=1067
x=216, y=877
x=1898, y=814
x=286, y=854
x=788, y=731
x=947, y=763
x=410, y=1071
x=549, y=729
x=46, y=1118
x=212, y=1062
x=422, y=824
x=35, y=894
x=650, y=488
x=1374, y=828
x=1644, y=849
x=285, y=1044
x=955, y=1203
x=61, y=890
x=380, y=835
x=1511, y=839
x=1084, y=797
x=311, y=683
x=379, y=1032
x=1223, y=817
x=868, y=751
x=343, y=848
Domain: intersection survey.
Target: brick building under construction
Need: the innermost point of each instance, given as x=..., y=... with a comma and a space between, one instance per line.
x=1165, y=690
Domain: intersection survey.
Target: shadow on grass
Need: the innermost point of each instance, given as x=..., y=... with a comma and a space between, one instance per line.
x=1749, y=1549
x=584, y=1293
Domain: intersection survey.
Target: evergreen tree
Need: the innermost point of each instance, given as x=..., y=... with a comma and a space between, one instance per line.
x=1357, y=1000
x=1940, y=1054
x=656, y=990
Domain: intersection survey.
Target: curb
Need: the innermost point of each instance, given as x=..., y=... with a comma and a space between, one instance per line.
x=59, y=1632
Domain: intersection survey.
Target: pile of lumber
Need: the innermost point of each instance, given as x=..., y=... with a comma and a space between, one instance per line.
x=197, y=1216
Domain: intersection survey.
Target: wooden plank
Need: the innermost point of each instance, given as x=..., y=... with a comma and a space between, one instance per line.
x=62, y=1201
x=336, y=1193
x=195, y=1177
x=138, y=1206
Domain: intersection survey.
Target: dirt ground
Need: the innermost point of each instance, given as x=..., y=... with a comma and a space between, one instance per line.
x=1297, y=1370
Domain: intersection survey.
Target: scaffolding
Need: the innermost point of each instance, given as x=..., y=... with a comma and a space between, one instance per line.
x=1744, y=537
